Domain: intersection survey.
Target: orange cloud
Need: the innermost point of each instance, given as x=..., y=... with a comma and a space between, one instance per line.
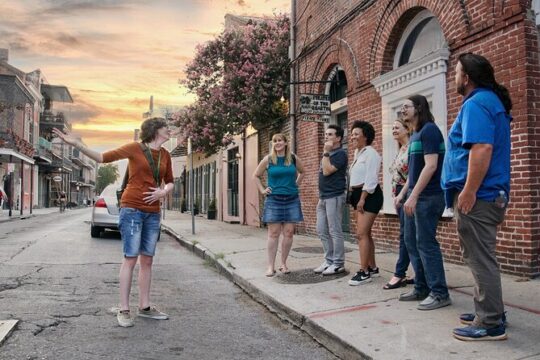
x=114, y=55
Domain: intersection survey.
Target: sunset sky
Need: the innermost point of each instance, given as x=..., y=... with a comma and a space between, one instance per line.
x=114, y=54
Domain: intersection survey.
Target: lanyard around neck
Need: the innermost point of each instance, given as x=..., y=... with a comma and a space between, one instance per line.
x=149, y=157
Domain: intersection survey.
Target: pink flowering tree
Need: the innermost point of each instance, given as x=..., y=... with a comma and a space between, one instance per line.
x=239, y=79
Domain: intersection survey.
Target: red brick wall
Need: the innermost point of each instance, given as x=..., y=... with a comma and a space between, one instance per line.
x=363, y=42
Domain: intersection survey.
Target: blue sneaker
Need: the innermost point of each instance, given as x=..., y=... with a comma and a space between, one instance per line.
x=468, y=318
x=475, y=333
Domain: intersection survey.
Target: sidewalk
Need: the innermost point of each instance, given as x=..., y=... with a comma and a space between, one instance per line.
x=16, y=214
x=361, y=322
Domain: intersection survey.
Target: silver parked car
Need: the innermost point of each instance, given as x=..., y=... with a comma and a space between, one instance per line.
x=105, y=213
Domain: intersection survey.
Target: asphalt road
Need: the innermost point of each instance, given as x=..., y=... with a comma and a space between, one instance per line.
x=60, y=283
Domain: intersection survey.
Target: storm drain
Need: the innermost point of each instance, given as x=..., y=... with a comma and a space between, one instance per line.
x=306, y=276
x=313, y=250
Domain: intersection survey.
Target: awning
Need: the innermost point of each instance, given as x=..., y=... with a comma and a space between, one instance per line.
x=6, y=153
x=56, y=93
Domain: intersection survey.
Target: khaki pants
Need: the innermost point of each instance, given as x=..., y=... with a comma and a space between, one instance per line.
x=478, y=237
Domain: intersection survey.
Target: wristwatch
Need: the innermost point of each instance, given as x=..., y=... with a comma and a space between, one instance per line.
x=327, y=154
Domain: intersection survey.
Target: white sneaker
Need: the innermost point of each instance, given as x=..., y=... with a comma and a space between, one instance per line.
x=333, y=269
x=124, y=318
x=321, y=268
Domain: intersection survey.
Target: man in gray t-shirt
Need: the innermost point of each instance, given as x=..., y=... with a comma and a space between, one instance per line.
x=332, y=186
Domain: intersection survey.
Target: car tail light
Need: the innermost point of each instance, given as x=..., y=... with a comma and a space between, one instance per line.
x=100, y=203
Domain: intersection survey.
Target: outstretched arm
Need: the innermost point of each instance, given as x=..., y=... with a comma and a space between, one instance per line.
x=73, y=141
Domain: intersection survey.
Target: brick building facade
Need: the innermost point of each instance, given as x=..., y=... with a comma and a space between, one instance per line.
x=386, y=50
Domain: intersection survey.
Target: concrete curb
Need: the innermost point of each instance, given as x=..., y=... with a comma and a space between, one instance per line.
x=331, y=342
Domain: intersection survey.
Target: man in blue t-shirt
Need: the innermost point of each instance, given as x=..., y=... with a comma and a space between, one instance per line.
x=332, y=186
x=476, y=179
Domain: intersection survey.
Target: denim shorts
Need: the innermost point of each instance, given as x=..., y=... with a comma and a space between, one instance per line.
x=282, y=209
x=140, y=232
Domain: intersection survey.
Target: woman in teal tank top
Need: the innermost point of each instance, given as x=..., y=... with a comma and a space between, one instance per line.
x=282, y=208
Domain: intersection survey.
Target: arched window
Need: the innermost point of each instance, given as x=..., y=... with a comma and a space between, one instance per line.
x=338, y=86
x=337, y=90
x=422, y=37
x=420, y=66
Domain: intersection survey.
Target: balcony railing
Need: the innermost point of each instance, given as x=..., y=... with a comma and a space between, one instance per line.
x=10, y=140
x=63, y=163
x=48, y=119
x=43, y=154
x=45, y=144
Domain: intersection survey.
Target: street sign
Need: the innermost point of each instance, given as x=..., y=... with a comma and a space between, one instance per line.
x=57, y=178
x=315, y=107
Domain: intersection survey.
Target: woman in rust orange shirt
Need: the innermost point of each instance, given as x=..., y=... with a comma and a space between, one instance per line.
x=140, y=208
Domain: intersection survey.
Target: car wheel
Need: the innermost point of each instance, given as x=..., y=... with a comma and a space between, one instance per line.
x=95, y=231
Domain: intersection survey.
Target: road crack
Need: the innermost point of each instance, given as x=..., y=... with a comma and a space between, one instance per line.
x=19, y=281
x=42, y=328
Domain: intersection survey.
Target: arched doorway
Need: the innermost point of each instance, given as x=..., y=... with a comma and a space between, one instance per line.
x=419, y=67
x=336, y=89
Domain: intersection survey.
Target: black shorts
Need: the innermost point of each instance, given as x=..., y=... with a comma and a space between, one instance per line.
x=374, y=202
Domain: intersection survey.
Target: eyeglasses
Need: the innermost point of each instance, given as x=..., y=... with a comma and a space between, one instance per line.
x=405, y=106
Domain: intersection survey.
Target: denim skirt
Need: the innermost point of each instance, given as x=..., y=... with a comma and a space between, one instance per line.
x=282, y=209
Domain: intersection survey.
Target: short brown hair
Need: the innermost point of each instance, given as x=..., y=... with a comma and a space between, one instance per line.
x=149, y=128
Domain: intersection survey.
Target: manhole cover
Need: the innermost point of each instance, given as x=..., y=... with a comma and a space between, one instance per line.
x=313, y=250
x=306, y=276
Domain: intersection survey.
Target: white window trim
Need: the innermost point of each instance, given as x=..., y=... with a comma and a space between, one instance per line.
x=427, y=77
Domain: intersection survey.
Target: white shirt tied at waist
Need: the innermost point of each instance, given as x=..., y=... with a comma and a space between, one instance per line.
x=365, y=169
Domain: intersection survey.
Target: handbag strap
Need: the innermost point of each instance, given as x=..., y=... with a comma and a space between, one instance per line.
x=153, y=167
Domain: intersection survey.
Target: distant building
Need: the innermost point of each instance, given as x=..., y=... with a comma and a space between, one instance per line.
x=30, y=159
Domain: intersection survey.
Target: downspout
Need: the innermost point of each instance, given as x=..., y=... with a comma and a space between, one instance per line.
x=21, y=175
x=244, y=184
x=292, y=57
x=31, y=187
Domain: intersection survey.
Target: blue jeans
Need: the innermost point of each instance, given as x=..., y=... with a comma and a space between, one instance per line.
x=329, y=228
x=403, y=260
x=423, y=247
x=139, y=231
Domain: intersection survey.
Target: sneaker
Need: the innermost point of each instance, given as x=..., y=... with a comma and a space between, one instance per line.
x=124, y=318
x=333, y=269
x=321, y=267
x=374, y=272
x=433, y=302
x=468, y=318
x=413, y=295
x=153, y=313
x=475, y=333
x=360, y=278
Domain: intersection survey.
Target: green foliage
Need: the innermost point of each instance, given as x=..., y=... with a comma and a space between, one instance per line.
x=107, y=174
x=212, y=205
x=238, y=78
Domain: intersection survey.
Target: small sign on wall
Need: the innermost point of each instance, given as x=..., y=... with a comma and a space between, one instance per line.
x=10, y=167
x=315, y=107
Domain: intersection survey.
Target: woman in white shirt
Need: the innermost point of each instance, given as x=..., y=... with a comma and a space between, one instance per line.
x=365, y=196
